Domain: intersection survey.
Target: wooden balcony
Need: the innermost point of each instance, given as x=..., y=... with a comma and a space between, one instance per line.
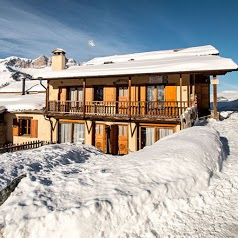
x=119, y=109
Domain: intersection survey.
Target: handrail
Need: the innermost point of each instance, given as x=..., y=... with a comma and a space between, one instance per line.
x=134, y=109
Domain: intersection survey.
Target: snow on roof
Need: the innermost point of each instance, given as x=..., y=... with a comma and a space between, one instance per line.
x=28, y=102
x=2, y=109
x=197, y=51
x=31, y=86
x=58, y=50
x=195, y=59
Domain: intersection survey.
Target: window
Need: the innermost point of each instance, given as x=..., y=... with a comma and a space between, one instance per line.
x=25, y=126
x=149, y=135
x=71, y=132
x=122, y=91
x=122, y=130
x=75, y=94
x=98, y=93
x=155, y=93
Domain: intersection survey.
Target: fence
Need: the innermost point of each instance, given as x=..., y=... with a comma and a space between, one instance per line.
x=24, y=146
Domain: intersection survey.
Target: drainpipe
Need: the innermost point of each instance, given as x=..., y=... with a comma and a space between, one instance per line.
x=23, y=85
x=51, y=127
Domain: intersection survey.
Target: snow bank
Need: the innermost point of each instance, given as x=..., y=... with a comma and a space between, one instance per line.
x=77, y=191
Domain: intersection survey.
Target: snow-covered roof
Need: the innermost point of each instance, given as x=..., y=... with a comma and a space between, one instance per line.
x=28, y=102
x=30, y=86
x=2, y=109
x=58, y=50
x=195, y=59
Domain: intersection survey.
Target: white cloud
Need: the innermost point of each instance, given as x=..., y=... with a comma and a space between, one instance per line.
x=23, y=33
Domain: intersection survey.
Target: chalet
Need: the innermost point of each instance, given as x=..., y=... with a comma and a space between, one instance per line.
x=125, y=102
x=23, y=119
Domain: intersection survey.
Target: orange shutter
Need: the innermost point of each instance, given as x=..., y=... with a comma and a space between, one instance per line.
x=100, y=137
x=171, y=107
x=123, y=141
x=170, y=93
x=15, y=127
x=34, y=128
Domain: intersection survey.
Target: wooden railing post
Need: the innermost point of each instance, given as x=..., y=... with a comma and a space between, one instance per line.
x=181, y=92
x=129, y=89
x=84, y=97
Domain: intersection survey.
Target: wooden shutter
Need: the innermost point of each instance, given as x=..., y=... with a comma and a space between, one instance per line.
x=114, y=139
x=100, y=137
x=34, y=128
x=171, y=106
x=123, y=141
x=170, y=93
x=15, y=127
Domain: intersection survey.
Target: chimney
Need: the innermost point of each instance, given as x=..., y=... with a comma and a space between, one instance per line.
x=58, y=59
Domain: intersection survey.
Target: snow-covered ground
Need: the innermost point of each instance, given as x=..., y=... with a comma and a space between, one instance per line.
x=185, y=185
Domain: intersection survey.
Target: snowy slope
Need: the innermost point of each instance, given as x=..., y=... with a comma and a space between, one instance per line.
x=76, y=191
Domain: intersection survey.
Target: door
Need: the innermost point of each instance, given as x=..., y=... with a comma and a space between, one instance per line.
x=75, y=99
x=122, y=93
x=155, y=99
x=100, y=137
x=203, y=101
x=114, y=139
x=122, y=140
x=98, y=100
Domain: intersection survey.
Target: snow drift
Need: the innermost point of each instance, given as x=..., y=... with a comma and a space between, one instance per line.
x=77, y=191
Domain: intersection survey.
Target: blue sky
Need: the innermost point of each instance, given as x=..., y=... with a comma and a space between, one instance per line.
x=32, y=28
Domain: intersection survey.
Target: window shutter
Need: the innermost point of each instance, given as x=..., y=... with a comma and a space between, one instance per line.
x=15, y=127
x=34, y=128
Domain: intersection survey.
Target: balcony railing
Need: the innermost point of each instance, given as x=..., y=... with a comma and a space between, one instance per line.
x=123, y=109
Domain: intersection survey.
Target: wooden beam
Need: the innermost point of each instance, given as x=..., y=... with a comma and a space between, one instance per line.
x=214, y=83
x=181, y=92
x=129, y=89
x=84, y=96
x=47, y=97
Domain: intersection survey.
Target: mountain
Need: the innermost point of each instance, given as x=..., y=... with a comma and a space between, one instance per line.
x=12, y=67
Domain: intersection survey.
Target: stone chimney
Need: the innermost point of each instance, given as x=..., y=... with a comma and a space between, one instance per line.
x=58, y=59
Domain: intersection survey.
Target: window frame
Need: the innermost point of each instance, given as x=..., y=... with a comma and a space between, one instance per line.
x=71, y=131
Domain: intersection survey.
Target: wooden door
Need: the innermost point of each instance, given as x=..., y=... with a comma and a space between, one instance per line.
x=203, y=101
x=122, y=140
x=123, y=100
x=62, y=98
x=114, y=139
x=100, y=137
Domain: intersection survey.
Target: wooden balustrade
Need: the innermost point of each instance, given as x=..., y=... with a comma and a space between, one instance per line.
x=136, y=109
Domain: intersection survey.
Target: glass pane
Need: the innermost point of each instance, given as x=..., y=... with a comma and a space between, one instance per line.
x=125, y=130
x=125, y=91
x=65, y=132
x=120, y=92
x=165, y=132
x=72, y=95
x=120, y=132
x=160, y=90
x=78, y=135
x=150, y=93
x=80, y=94
x=150, y=136
x=98, y=93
